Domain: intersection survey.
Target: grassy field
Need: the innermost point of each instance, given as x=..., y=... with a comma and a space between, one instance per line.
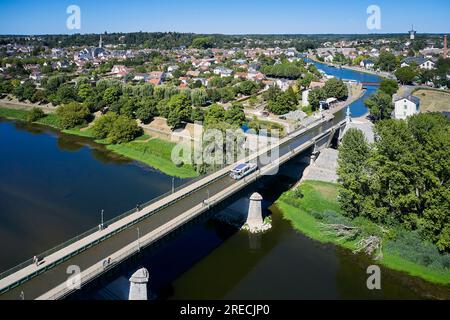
x=433, y=100
x=17, y=114
x=153, y=152
x=322, y=196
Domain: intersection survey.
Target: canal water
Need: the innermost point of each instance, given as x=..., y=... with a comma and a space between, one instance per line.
x=358, y=108
x=53, y=186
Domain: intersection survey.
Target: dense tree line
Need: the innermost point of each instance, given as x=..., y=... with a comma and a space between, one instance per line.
x=403, y=178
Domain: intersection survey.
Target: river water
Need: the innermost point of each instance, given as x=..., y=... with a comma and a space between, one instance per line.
x=53, y=186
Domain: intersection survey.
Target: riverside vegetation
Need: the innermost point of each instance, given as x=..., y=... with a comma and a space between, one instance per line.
x=392, y=200
x=124, y=137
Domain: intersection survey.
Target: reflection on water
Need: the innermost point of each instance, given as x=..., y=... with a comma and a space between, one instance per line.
x=53, y=187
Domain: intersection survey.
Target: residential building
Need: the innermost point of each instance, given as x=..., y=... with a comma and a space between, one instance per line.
x=423, y=63
x=406, y=106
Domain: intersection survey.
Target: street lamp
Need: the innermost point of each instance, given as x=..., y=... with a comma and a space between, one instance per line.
x=138, y=239
x=102, y=225
x=173, y=185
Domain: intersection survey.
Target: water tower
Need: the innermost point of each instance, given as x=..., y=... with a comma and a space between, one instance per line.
x=412, y=33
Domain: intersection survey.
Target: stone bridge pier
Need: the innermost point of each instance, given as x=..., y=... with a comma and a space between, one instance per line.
x=138, y=285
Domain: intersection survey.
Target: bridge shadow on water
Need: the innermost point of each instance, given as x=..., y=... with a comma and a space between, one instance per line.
x=170, y=257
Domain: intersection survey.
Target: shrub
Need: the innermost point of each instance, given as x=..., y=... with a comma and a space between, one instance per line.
x=35, y=114
x=103, y=125
x=72, y=115
x=124, y=130
x=410, y=246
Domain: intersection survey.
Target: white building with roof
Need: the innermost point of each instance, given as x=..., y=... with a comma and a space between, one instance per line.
x=405, y=107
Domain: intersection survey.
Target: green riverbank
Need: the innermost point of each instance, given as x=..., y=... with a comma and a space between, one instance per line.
x=153, y=152
x=316, y=203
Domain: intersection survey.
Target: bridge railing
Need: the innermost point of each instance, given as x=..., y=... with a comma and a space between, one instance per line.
x=99, y=269
x=128, y=213
x=42, y=255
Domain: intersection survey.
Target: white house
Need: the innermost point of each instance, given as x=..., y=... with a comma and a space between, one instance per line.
x=119, y=71
x=223, y=72
x=328, y=58
x=368, y=64
x=406, y=107
x=283, y=84
x=305, y=97
x=423, y=63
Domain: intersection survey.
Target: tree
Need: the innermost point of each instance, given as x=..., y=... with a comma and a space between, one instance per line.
x=380, y=105
x=111, y=95
x=406, y=75
x=179, y=110
x=202, y=43
x=103, y=125
x=283, y=70
x=25, y=91
x=387, y=61
x=35, y=114
x=147, y=110
x=389, y=86
x=247, y=87
x=199, y=97
x=306, y=80
x=214, y=115
x=174, y=119
x=197, y=115
x=315, y=96
x=66, y=93
x=235, y=115
x=124, y=129
x=402, y=180
x=72, y=115
x=85, y=91
x=336, y=88
x=354, y=153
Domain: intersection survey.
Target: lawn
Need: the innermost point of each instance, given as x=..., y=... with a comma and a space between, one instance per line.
x=433, y=100
x=22, y=115
x=155, y=153
x=322, y=196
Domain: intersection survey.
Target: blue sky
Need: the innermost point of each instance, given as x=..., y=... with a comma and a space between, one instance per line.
x=229, y=17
